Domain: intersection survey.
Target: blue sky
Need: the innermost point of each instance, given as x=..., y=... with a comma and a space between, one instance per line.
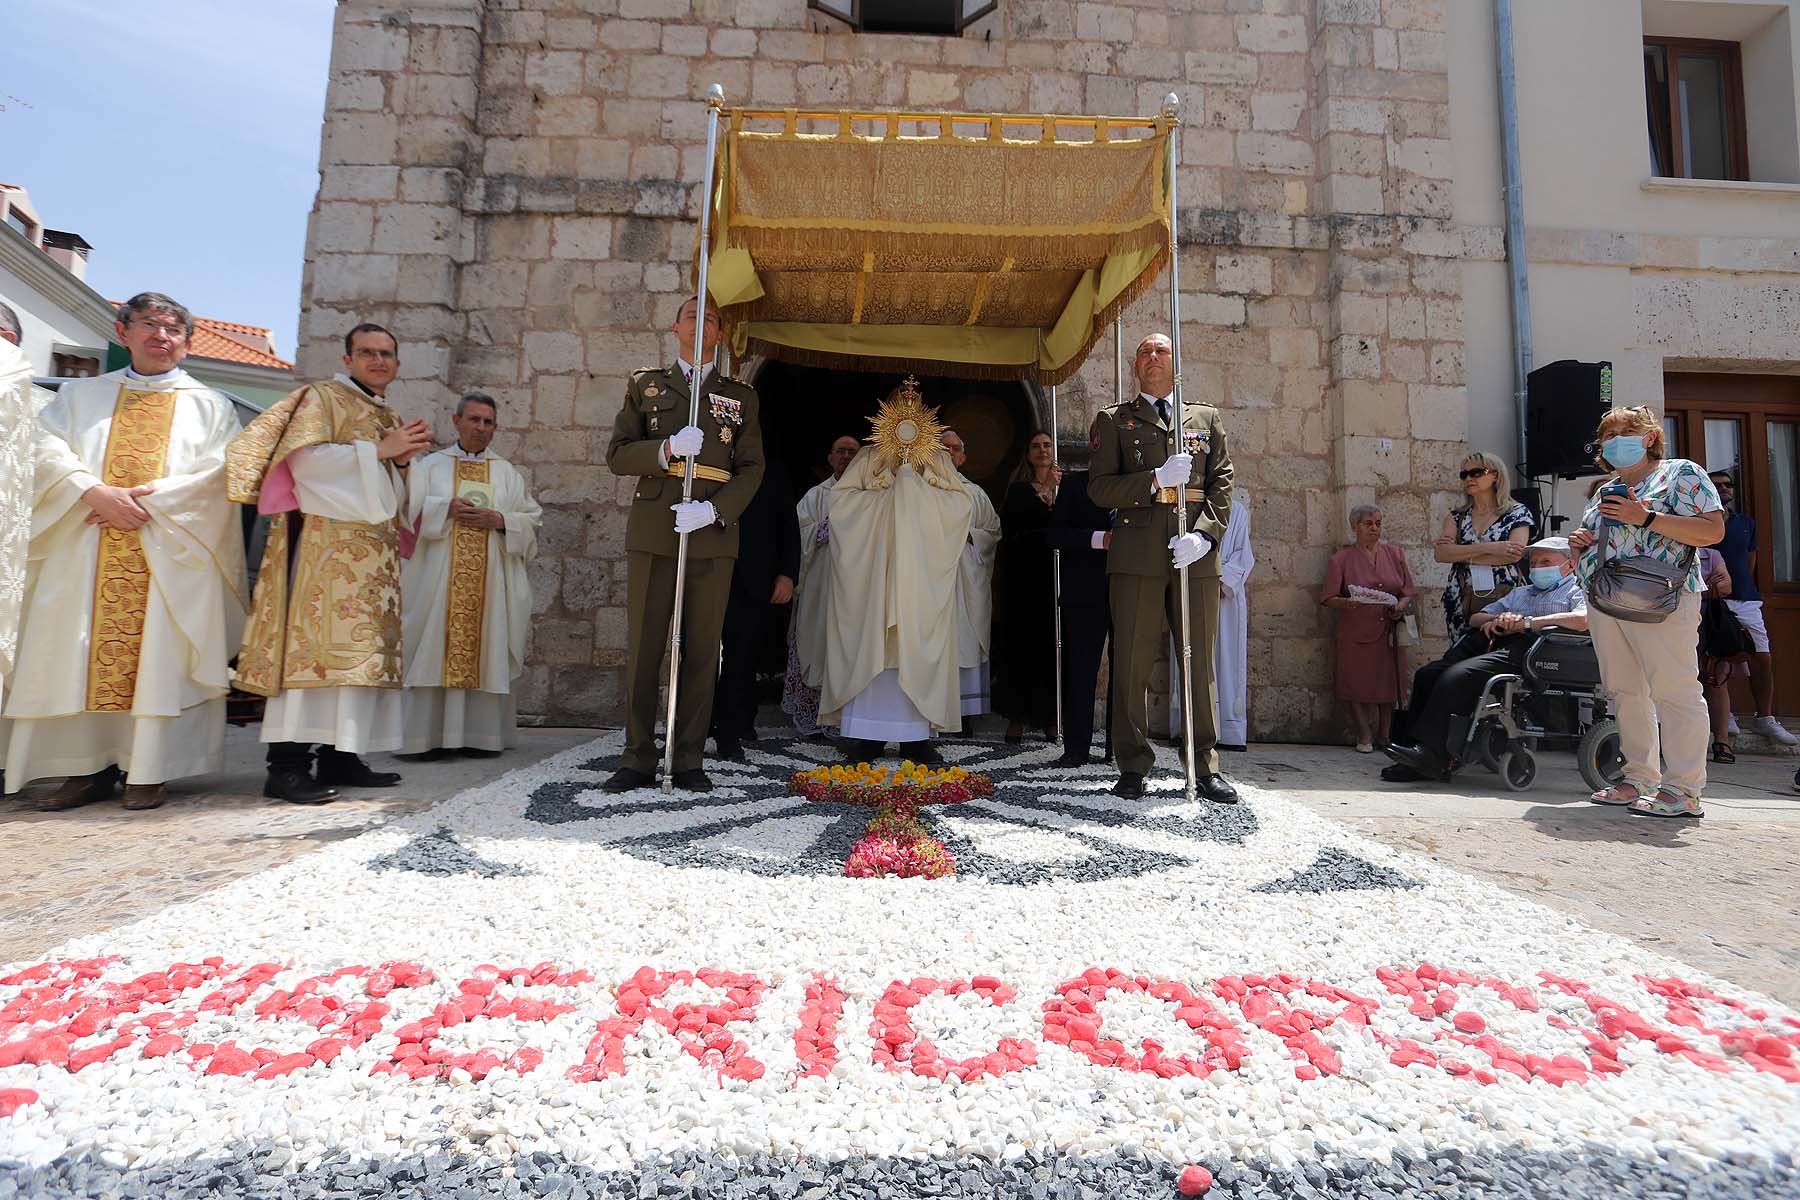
x=180, y=137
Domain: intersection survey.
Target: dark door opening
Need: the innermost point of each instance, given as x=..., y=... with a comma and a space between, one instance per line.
x=805, y=409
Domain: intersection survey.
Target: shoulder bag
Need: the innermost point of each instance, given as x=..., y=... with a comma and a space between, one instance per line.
x=1637, y=587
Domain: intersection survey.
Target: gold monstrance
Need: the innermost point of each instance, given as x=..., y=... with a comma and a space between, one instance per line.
x=903, y=429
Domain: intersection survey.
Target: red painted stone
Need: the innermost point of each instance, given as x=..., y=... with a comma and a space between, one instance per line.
x=1194, y=1180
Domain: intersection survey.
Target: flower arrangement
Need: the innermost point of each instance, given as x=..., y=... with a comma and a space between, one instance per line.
x=922, y=858
x=910, y=786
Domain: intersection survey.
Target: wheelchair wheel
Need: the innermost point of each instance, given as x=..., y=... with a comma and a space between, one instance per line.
x=1518, y=769
x=1490, y=746
x=1601, y=761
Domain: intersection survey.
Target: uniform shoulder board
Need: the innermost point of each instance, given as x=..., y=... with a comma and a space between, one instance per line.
x=734, y=379
x=643, y=371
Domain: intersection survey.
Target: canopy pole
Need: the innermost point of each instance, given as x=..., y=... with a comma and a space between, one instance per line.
x=715, y=103
x=1171, y=109
x=1119, y=359
x=1056, y=572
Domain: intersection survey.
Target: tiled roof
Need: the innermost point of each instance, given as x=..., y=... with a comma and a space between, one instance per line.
x=212, y=340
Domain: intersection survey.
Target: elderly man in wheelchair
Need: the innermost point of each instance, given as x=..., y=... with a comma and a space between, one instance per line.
x=1463, y=705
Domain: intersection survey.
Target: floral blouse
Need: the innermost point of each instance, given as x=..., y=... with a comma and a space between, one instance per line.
x=1676, y=486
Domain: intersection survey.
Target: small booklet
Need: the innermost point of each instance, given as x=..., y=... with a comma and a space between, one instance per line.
x=480, y=494
x=1367, y=595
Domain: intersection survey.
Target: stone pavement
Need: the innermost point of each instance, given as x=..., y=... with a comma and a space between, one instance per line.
x=1720, y=894
x=93, y=868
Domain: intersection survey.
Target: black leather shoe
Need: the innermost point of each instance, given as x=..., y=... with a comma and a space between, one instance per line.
x=692, y=780
x=1233, y=747
x=297, y=786
x=478, y=752
x=1423, y=762
x=1215, y=787
x=627, y=779
x=435, y=754
x=923, y=753
x=1074, y=758
x=730, y=749
x=1129, y=787
x=863, y=749
x=1401, y=773
x=750, y=737
x=347, y=770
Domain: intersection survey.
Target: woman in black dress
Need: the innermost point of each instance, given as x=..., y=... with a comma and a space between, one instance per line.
x=1024, y=629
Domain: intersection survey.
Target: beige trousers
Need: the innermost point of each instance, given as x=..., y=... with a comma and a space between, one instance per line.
x=1652, y=673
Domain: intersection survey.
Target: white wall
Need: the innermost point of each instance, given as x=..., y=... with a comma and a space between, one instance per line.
x=46, y=326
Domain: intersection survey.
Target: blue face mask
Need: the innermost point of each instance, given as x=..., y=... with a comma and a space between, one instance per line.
x=1623, y=451
x=1545, y=578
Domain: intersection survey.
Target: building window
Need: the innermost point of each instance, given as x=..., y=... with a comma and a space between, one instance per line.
x=1694, y=90
x=20, y=222
x=946, y=18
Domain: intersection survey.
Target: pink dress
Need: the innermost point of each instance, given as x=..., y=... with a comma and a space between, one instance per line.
x=1370, y=667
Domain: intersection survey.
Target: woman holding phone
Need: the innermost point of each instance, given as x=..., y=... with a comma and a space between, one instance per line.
x=1662, y=508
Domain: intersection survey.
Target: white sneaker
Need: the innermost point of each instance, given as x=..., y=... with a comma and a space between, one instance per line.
x=1731, y=725
x=1774, y=730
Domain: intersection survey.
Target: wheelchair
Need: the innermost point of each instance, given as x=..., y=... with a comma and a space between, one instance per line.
x=1555, y=698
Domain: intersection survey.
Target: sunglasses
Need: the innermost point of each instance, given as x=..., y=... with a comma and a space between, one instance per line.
x=1474, y=472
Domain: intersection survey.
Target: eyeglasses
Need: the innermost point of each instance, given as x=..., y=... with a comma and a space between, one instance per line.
x=1474, y=472
x=168, y=328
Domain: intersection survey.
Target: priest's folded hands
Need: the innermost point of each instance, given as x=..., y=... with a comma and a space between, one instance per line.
x=116, y=507
x=465, y=513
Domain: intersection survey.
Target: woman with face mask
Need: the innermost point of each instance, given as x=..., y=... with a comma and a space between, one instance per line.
x=1660, y=507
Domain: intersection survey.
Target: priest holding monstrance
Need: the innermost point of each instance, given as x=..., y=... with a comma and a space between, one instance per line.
x=899, y=519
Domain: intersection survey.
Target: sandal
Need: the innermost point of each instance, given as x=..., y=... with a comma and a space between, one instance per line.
x=1615, y=795
x=1666, y=804
x=1721, y=753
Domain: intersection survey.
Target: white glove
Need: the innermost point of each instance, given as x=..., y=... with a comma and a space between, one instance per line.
x=1189, y=549
x=693, y=514
x=1176, y=472
x=687, y=442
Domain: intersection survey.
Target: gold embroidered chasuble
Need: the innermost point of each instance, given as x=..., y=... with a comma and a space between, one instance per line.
x=137, y=446
x=467, y=602
x=333, y=619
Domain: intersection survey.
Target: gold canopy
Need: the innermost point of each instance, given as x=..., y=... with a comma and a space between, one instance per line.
x=992, y=248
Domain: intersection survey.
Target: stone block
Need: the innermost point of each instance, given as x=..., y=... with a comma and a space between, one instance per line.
x=1111, y=94
x=1294, y=347
x=1406, y=362
x=597, y=401
x=1385, y=48
x=428, y=281
x=357, y=46
x=340, y=226
x=733, y=43
x=1055, y=93
x=1349, y=12
x=1376, y=461
x=568, y=116
x=581, y=694
x=1430, y=157
x=1353, y=154
x=1355, y=116
x=1416, y=14
x=1422, y=50
x=1276, y=111
x=1356, y=356
x=1355, y=194
x=1252, y=274
x=352, y=93
x=769, y=14
x=1269, y=34
x=1206, y=308
x=1439, y=414
x=553, y=353
x=932, y=88
x=581, y=237
x=1445, y=363
x=630, y=35
x=999, y=91
x=771, y=84
x=1374, y=408
x=1213, y=66
x=562, y=640
x=1273, y=152
x=417, y=228
x=660, y=75
x=1104, y=23
x=340, y=181
x=358, y=138
x=554, y=72
x=1348, y=46
x=349, y=279
x=1253, y=385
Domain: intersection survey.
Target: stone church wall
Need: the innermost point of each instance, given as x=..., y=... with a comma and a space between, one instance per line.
x=511, y=186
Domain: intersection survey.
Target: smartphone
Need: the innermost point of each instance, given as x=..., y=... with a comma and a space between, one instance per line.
x=1613, y=489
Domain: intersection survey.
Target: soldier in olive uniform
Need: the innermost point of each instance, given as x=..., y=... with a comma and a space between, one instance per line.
x=650, y=439
x=1139, y=472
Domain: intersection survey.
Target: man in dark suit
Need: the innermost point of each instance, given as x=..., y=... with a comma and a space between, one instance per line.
x=768, y=562
x=1082, y=530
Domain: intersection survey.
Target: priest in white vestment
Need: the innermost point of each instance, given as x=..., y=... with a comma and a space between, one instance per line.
x=806, y=626
x=324, y=639
x=465, y=610
x=134, y=585
x=899, y=521
x=1230, y=652
x=18, y=437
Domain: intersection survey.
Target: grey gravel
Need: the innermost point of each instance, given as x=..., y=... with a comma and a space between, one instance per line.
x=1591, y=1174
x=1336, y=870
x=439, y=853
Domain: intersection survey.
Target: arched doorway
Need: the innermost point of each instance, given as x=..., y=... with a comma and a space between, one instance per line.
x=805, y=409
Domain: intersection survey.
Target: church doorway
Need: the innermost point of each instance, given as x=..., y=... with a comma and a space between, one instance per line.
x=805, y=409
